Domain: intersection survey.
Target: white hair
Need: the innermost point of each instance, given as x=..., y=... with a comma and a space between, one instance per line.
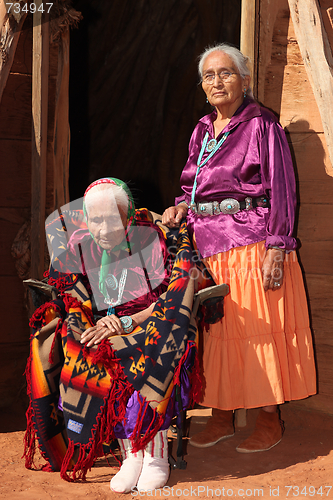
x=239, y=60
x=116, y=192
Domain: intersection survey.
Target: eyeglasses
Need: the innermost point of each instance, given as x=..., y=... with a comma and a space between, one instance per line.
x=224, y=76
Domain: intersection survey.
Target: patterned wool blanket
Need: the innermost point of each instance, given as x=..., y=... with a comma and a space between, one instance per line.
x=95, y=385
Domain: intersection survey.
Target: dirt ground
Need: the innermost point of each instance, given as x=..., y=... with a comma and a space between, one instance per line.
x=300, y=466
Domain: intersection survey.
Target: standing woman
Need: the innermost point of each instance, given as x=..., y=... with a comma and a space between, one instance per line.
x=239, y=200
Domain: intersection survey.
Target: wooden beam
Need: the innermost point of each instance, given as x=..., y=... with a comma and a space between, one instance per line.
x=40, y=74
x=10, y=29
x=249, y=37
x=316, y=53
x=61, y=137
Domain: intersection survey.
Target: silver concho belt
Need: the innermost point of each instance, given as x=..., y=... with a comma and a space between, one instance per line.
x=228, y=206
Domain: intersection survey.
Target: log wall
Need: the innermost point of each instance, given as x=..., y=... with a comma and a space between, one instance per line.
x=15, y=158
x=283, y=86
x=15, y=203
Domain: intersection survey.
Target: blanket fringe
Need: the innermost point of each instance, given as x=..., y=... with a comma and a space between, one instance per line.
x=30, y=433
x=194, y=374
x=196, y=380
x=107, y=356
x=112, y=412
x=39, y=317
x=138, y=440
x=72, y=302
x=57, y=334
x=61, y=282
x=66, y=461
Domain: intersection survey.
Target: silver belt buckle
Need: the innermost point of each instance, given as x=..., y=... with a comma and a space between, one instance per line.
x=205, y=209
x=229, y=206
x=193, y=207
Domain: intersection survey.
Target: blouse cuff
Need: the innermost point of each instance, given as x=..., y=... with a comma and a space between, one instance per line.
x=180, y=199
x=287, y=243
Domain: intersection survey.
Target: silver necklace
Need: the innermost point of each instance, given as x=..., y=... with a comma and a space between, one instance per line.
x=112, y=281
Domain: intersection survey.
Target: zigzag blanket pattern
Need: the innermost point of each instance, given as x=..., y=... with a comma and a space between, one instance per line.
x=94, y=385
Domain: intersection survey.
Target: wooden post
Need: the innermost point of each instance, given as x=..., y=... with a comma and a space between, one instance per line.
x=249, y=37
x=318, y=60
x=61, y=137
x=40, y=73
x=9, y=36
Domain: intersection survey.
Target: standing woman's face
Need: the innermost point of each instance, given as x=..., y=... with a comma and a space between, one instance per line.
x=221, y=93
x=105, y=220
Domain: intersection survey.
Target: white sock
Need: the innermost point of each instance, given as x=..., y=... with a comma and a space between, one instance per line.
x=155, y=470
x=130, y=470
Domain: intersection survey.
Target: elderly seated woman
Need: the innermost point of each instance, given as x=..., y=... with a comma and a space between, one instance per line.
x=124, y=265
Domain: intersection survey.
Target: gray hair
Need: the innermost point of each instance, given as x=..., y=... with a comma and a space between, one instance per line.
x=240, y=61
x=116, y=192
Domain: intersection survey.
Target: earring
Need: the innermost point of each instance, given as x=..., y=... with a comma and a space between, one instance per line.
x=207, y=100
x=245, y=92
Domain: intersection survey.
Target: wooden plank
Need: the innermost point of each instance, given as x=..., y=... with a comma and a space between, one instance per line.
x=273, y=28
x=288, y=93
x=8, y=231
x=316, y=257
x=13, y=360
x=284, y=83
x=15, y=323
x=53, y=59
x=320, y=293
x=57, y=191
x=249, y=37
x=311, y=156
x=22, y=62
x=16, y=159
x=40, y=74
x=312, y=224
x=326, y=7
x=61, y=139
x=297, y=106
x=318, y=60
x=323, y=400
x=9, y=36
x=15, y=108
x=315, y=191
x=14, y=215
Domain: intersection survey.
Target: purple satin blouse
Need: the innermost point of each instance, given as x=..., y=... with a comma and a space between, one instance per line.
x=254, y=160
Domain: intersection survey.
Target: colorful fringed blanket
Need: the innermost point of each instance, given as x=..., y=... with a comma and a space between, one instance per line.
x=95, y=385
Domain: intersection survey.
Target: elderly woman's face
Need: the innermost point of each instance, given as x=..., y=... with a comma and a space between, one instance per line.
x=105, y=221
x=221, y=93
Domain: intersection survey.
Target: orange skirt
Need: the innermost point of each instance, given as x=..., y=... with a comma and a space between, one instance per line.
x=261, y=352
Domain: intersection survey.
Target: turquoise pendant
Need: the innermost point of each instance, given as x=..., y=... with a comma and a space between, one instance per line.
x=211, y=145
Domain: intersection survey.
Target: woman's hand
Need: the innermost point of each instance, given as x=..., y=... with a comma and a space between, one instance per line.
x=172, y=216
x=105, y=327
x=272, y=269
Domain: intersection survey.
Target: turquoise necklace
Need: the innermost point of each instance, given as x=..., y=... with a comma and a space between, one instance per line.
x=212, y=146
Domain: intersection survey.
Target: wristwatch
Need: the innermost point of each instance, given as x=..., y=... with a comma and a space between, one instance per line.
x=127, y=324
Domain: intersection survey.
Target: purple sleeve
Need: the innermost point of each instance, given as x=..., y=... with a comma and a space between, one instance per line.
x=179, y=199
x=279, y=181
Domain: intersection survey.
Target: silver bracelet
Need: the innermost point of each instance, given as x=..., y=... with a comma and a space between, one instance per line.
x=276, y=248
x=127, y=324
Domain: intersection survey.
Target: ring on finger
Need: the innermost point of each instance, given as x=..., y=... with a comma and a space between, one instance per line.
x=276, y=283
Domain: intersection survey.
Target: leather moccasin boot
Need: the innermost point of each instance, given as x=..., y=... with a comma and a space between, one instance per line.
x=267, y=433
x=219, y=426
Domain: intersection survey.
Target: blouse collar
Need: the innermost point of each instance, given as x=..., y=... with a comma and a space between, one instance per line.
x=247, y=110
